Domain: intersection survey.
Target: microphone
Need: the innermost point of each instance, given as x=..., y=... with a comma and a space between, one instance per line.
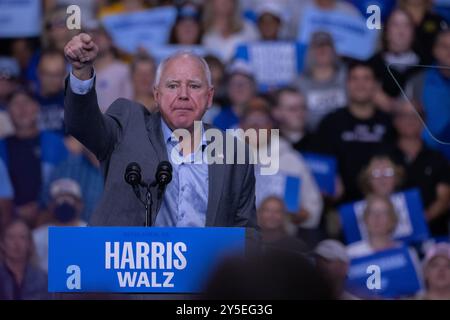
x=133, y=177
x=163, y=173
x=163, y=176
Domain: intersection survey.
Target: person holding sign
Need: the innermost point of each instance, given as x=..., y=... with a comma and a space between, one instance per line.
x=380, y=220
x=200, y=194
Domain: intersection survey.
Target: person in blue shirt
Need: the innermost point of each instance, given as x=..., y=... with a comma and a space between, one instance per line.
x=241, y=88
x=29, y=155
x=432, y=89
x=6, y=196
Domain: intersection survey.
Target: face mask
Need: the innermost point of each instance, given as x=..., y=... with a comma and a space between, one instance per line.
x=65, y=212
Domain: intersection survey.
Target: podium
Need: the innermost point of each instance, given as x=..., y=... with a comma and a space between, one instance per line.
x=138, y=259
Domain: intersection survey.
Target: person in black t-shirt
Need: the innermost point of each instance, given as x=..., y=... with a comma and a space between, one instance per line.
x=425, y=168
x=355, y=133
x=29, y=155
x=51, y=74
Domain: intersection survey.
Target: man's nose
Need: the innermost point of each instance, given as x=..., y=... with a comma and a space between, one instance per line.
x=183, y=93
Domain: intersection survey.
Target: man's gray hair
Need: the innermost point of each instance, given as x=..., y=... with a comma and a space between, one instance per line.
x=179, y=54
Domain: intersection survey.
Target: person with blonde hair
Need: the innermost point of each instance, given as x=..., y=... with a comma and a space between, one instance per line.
x=224, y=27
x=380, y=220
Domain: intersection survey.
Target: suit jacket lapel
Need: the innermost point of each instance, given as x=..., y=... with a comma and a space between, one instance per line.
x=155, y=135
x=216, y=175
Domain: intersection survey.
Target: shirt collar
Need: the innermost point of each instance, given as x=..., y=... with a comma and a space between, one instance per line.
x=168, y=133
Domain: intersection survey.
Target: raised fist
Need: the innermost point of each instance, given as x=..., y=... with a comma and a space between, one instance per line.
x=81, y=52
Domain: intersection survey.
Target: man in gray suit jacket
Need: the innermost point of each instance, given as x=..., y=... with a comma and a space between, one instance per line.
x=199, y=194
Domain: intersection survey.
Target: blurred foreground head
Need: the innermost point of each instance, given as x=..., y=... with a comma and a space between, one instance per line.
x=275, y=274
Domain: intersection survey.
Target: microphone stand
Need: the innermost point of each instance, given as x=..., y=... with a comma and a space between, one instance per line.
x=148, y=202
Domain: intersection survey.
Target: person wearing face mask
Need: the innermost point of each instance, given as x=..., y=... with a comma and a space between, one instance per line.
x=66, y=207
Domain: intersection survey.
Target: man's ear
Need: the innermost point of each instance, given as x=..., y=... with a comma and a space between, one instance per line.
x=210, y=97
x=156, y=94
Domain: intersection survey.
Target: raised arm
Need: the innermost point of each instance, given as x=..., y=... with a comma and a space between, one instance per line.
x=82, y=116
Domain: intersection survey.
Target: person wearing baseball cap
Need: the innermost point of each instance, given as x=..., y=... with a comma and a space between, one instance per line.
x=270, y=20
x=65, y=209
x=436, y=272
x=333, y=261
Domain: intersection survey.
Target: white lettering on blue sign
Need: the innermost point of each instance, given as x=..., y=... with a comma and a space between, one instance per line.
x=74, y=279
x=144, y=255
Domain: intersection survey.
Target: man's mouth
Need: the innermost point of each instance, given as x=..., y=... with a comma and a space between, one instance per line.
x=183, y=109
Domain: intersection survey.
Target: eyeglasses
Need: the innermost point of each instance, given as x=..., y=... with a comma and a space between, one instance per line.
x=378, y=173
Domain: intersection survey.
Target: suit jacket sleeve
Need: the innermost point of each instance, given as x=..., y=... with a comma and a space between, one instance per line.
x=246, y=213
x=84, y=120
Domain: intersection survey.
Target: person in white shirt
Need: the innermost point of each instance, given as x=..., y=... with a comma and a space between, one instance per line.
x=380, y=220
x=257, y=116
x=225, y=29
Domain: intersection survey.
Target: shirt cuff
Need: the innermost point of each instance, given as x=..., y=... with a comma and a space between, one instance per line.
x=80, y=86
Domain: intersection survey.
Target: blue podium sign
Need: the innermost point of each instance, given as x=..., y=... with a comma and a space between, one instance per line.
x=137, y=259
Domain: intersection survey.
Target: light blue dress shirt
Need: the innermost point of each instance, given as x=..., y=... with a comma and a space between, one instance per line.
x=186, y=196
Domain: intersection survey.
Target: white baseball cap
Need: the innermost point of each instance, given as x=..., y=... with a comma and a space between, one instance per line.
x=332, y=250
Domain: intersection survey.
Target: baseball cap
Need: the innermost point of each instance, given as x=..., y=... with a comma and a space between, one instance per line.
x=240, y=66
x=438, y=249
x=272, y=8
x=9, y=68
x=188, y=11
x=332, y=250
x=65, y=186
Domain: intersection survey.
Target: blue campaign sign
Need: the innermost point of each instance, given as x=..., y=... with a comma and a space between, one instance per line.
x=398, y=272
x=20, y=18
x=324, y=170
x=147, y=28
x=442, y=7
x=386, y=7
x=291, y=194
x=286, y=187
x=137, y=259
x=275, y=63
x=351, y=36
x=411, y=225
